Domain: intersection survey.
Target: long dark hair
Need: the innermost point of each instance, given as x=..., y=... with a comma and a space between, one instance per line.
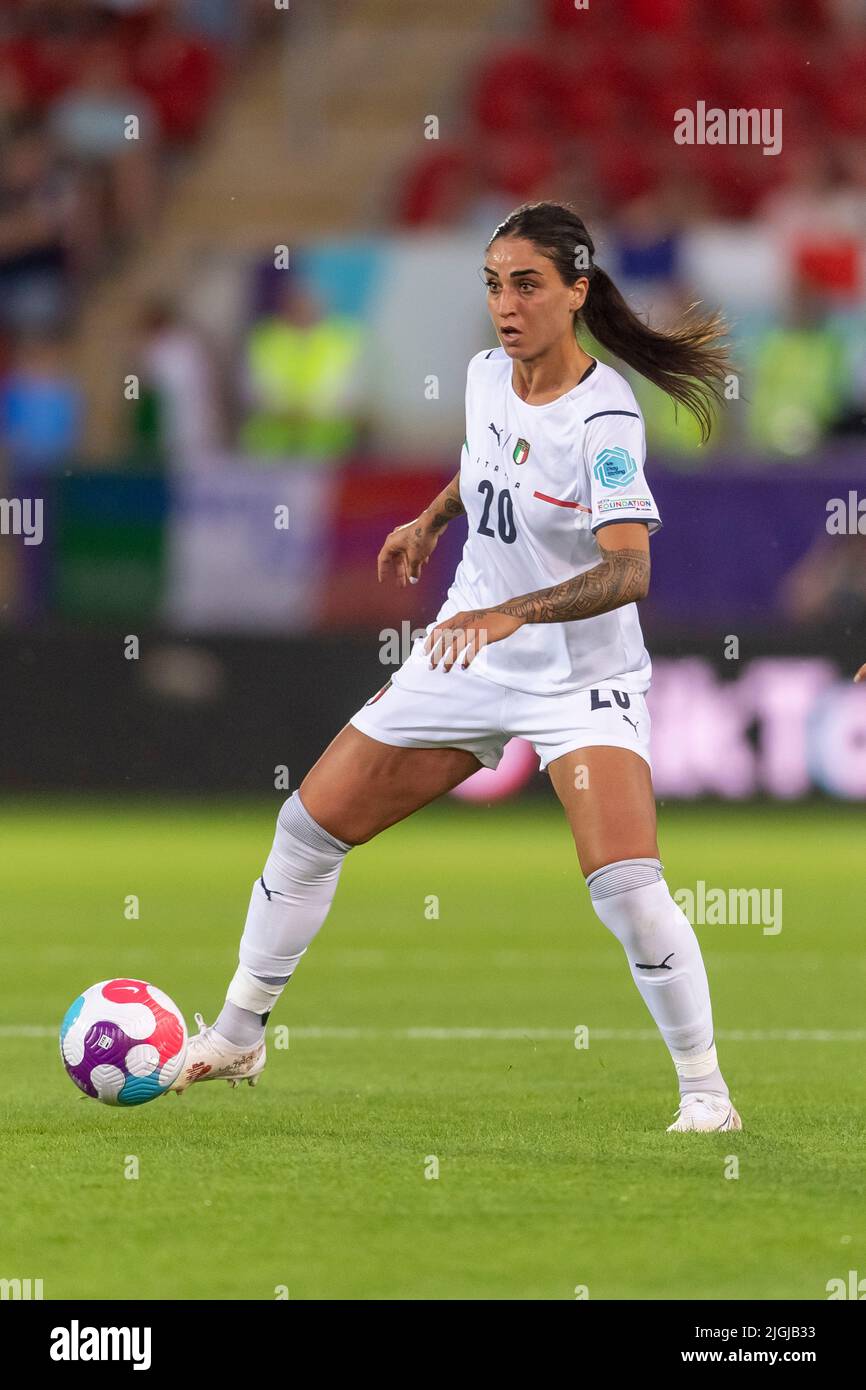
x=690, y=364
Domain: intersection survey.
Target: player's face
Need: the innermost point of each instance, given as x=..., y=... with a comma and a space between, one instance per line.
x=530, y=306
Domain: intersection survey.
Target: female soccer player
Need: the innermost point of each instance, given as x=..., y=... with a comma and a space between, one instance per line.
x=538, y=638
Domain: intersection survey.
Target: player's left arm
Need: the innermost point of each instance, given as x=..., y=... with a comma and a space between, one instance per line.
x=621, y=577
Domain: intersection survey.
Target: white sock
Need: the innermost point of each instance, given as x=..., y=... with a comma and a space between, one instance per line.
x=633, y=901
x=288, y=905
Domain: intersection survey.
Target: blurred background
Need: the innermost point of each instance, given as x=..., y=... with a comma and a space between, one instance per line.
x=239, y=254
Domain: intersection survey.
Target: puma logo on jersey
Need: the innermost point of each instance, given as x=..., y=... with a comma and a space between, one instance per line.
x=633, y=722
x=497, y=432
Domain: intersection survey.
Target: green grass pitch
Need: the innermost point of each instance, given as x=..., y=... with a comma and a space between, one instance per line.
x=554, y=1168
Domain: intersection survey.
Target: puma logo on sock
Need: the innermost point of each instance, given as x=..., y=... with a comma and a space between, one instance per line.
x=269, y=892
x=663, y=966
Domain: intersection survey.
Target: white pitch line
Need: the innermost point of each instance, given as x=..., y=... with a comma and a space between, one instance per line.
x=812, y=1035
x=564, y=1035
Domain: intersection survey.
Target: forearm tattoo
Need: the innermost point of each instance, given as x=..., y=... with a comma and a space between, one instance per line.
x=446, y=507
x=622, y=577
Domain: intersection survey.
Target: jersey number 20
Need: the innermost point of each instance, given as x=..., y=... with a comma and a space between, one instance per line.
x=505, y=512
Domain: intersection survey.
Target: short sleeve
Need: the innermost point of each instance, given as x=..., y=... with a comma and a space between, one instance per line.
x=615, y=454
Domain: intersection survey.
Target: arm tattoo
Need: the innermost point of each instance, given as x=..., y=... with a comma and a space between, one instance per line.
x=446, y=506
x=622, y=577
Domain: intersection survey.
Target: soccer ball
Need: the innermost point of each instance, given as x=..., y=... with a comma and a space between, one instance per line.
x=123, y=1042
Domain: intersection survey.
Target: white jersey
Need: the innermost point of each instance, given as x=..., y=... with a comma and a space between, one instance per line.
x=537, y=482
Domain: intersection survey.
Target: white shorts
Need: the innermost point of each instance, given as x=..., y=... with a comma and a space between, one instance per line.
x=459, y=709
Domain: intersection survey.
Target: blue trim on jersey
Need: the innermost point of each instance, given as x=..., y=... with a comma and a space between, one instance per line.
x=489, y=354
x=598, y=414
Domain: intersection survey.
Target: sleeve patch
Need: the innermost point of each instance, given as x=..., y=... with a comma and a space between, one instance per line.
x=625, y=504
x=614, y=467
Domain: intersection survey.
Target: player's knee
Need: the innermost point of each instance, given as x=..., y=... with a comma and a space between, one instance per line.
x=296, y=822
x=332, y=809
x=303, y=852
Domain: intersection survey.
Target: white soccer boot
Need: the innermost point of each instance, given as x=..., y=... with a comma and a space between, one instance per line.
x=209, y=1057
x=704, y=1110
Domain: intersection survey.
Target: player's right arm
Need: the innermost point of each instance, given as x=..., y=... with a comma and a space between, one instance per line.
x=408, y=548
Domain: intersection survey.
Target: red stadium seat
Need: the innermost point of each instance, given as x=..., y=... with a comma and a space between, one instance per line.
x=433, y=190
x=844, y=91
x=180, y=77
x=562, y=17
x=589, y=107
x=515, y=91
x=834, y=266
x=677, y=78
x=625, y=168
x=737, y=177
x=735, y=16
x=766, y=70
x=659, y=16
x=519, y=165
x=595, y=88
x=48, y=65
x=809, y=16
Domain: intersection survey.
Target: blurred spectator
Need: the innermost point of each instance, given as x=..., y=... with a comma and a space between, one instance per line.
x=224, y=21
x=14, y=101
x=670, y=428
x=803, y=203
x=178, y=74
x=180, y=414
x=851, y=196
x=129, y=7
x=303, y=379
x=38, y=233
x=91, y=124
x=41, y=408
x=798, y=379
x=646, y=234
x=826, y=589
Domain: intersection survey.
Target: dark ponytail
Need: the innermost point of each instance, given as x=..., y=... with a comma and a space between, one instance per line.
x=690, y=364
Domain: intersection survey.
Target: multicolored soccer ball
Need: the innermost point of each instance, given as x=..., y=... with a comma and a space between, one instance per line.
x=123, y=1042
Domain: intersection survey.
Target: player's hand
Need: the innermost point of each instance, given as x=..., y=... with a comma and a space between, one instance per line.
x=461, y=637
x=861, y=674
x=406, y=551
